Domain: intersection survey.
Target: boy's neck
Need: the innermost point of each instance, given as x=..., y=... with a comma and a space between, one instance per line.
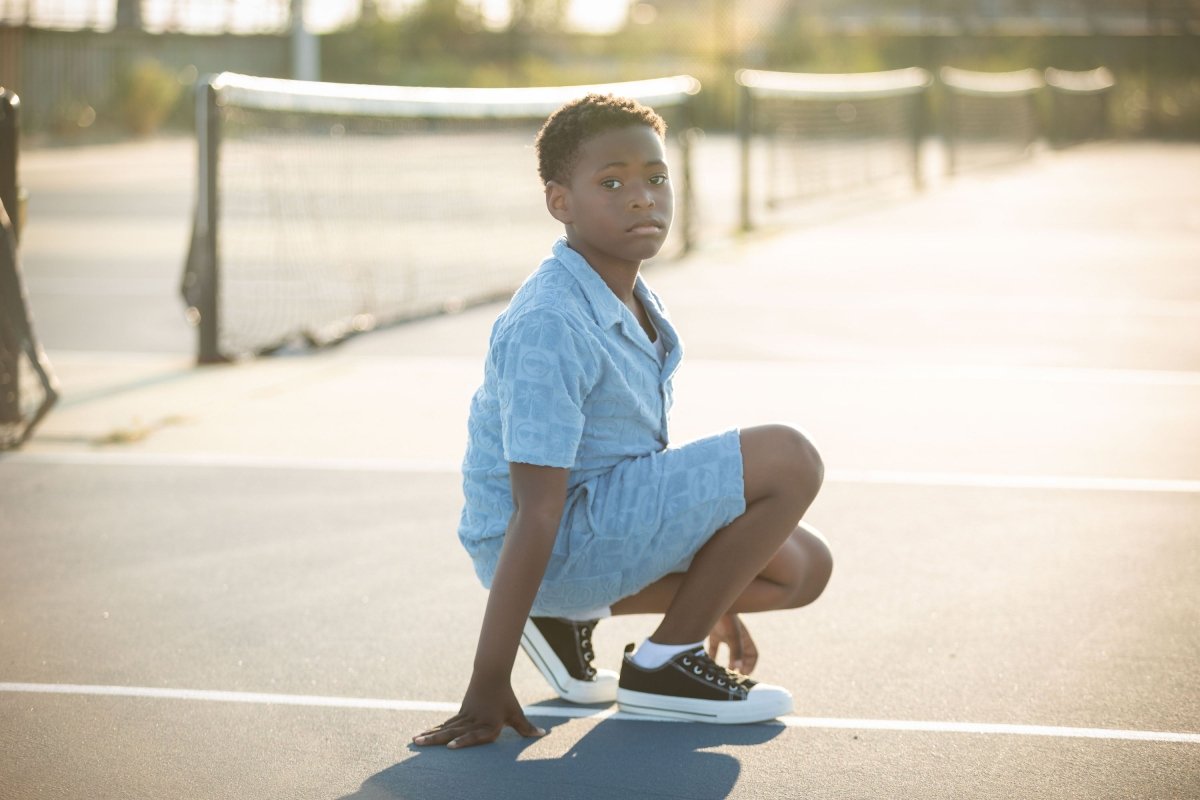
x=620, y=277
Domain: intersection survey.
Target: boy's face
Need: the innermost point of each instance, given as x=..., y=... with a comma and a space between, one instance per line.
x=617, y=204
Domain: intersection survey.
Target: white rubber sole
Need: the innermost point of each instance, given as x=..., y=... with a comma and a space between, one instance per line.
x=603, y=689
x=765, y=702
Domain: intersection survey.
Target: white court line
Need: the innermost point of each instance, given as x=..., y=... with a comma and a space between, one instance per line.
x=401, y=465
x=891, y=369
x=99, y=287
x=594, y=714
x=226, y=460
x=923, y=371
x=999, y=481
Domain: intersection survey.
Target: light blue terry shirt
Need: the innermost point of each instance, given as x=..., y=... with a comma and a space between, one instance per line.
x=571, y=380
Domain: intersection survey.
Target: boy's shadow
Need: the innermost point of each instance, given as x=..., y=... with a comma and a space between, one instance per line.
x=615, y=759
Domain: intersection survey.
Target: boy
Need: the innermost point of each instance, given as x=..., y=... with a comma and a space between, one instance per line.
x=576, y=508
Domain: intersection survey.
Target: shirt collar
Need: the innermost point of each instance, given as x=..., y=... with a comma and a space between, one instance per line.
x=610, y=311
x=605, y=305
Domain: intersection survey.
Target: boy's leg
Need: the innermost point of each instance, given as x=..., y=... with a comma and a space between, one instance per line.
x=795, y=576
x=762, y=560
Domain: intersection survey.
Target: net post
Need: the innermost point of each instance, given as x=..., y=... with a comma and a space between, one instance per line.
x=10, y=391
x=1104, y=125
x=949, y=124
x=10, y=132
x=687, y=152
x=1056, y=129
x=745, y=124
x=201, y=282
x=1035, y=123
x=17, y=339
x=920, y=107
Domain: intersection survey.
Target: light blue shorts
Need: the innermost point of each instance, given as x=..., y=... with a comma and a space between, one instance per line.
x=627, y=528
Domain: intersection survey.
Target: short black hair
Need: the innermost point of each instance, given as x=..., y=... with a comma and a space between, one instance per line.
x=565, y=130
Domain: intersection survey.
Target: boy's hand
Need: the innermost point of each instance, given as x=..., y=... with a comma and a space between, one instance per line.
x=480, y=720
x=729, y=631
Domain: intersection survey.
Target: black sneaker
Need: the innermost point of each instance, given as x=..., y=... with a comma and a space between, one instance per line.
x=693, y=686
x=561, y=649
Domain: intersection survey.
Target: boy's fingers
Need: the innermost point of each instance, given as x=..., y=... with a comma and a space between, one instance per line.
x=440, y=734
x=462, y=730
x=750, y=659
x=480, y=735
x=749, y=650
x=436, y=737
x=523, y=726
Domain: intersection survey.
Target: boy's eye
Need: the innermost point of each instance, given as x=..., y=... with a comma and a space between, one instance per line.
x=611, y=183
x=658, y=180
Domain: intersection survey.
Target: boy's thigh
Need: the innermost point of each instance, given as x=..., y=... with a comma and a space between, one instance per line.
x=651, y=514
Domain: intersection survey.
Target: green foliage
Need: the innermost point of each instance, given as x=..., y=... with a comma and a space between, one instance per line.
x=146, y=95
x=443, y=43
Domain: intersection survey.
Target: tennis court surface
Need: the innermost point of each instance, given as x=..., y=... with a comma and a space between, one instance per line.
x=243, y=581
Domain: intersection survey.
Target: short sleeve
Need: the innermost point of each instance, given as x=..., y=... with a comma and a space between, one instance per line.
x=541, y=383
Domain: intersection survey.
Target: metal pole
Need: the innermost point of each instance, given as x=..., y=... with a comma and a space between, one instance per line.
x=688, y=201
x=10, y=127
x=745, y=130
x=209, y=340
x=10, y=344
x=920, y=106
x=202, y=274
x=949, y=127
x=306, y=52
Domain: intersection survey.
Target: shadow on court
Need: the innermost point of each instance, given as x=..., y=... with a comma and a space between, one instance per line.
x=617, y=759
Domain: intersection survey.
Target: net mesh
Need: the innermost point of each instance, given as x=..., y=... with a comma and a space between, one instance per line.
x=814, y=135
x=989, y=118
x=336, y=216
x=27, y=384
x=1079, y=105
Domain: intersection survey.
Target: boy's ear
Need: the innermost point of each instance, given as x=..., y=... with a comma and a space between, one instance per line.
x=558, y=202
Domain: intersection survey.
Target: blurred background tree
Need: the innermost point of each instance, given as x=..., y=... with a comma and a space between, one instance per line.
x=1152, y=46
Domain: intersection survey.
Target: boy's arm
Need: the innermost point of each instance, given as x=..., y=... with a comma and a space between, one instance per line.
x=539, y=494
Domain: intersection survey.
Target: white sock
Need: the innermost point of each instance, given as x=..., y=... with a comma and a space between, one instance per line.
x=652, y=655
x=604, y=612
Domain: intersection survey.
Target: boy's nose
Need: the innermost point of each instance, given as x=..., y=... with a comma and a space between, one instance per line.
x=641, y=198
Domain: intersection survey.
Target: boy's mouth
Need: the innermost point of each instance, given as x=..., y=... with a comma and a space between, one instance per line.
x=646, y=226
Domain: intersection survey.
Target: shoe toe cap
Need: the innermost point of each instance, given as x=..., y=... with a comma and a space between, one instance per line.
x=776, y=698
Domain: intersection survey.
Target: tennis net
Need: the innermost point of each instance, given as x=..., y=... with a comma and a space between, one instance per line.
x=327, y=209
x=988, y=118
x=28, y=388
x=806, y=135
x=1079, y=105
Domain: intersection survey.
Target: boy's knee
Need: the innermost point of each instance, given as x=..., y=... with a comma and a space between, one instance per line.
x=781, y=462
x=818, y=569
x=804, y=470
